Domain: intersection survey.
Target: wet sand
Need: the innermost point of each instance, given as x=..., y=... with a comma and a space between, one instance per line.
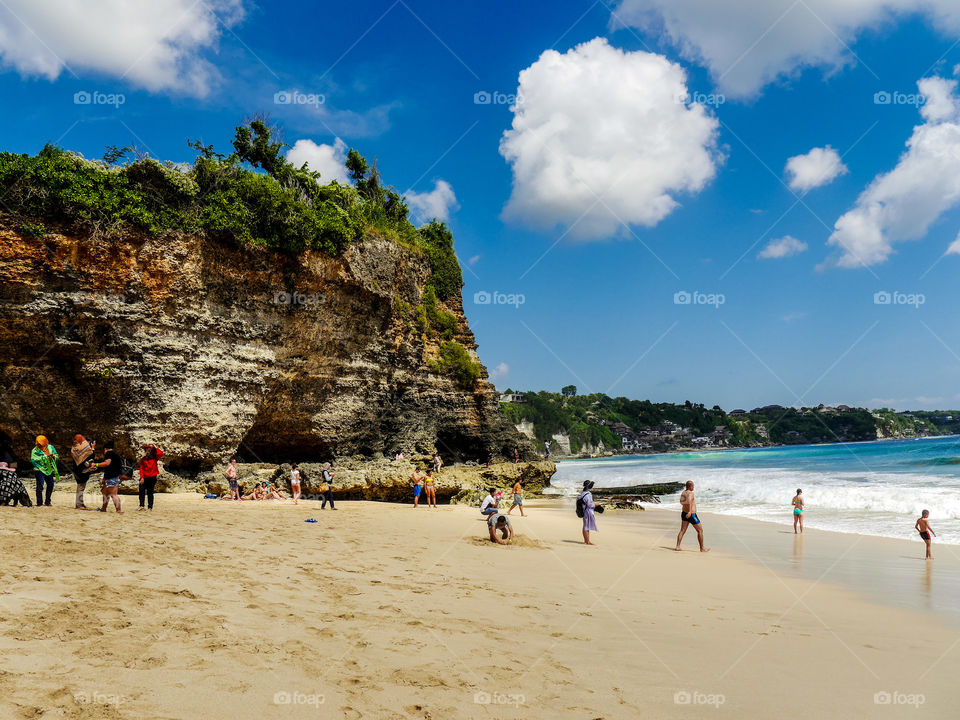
x=208, y=609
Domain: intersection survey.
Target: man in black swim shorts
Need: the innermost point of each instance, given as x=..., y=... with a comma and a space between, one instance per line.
x=688, y=516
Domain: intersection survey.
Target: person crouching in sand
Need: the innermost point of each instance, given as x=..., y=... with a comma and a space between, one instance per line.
x=688, y=516
x=923, y=527
x=798, y=511
x=500, y=524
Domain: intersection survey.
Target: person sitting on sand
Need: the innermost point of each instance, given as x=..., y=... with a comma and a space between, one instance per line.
x=231, y=475
x=490, y=505
x=256, y=494
x=12, y=489
x=923, y=527
x=500, y=523
x=295, y=483
x=797, y=511
x=688, y=516
x=112, y=466
x=517, y=498
x=272, y=493
x=417, y=480
x=589, y=519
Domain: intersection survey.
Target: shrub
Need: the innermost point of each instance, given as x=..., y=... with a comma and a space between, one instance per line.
x=252, y=196
x=444, y=323
x=33, y=230
x=456, y=362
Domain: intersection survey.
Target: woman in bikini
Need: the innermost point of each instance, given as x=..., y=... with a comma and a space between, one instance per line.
x=798, y=511
x=429, y=487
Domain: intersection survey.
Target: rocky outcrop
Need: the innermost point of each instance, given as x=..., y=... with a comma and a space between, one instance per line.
x=359, y=479
x=209, y=349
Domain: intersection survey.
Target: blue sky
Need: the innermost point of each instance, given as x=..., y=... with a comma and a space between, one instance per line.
x=600, y=273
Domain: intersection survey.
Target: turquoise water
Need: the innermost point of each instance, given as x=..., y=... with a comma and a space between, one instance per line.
x=874, y=488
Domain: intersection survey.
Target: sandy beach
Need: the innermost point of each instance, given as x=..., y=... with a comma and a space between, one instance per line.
x=208, y=609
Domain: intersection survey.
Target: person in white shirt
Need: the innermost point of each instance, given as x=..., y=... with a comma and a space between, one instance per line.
x=489, y=505
x=295, y=483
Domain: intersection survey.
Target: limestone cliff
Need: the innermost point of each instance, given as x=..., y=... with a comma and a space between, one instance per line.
x=210, y=349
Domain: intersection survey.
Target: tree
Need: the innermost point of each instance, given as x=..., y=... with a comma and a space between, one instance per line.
x=569, y=391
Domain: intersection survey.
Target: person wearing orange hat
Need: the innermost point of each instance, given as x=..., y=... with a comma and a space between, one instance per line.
x=44, y=458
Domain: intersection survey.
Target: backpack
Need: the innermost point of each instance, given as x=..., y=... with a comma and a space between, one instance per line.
x=127, y=468
x=580, y=506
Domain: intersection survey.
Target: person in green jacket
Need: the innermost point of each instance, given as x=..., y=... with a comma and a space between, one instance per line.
x=44, y=458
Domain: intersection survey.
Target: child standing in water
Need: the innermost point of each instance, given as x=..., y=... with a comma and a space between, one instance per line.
x=798, y=511
x=923, y=527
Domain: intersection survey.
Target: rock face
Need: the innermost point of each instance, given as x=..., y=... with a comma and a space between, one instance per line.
x=208, y=350
x=382, y=480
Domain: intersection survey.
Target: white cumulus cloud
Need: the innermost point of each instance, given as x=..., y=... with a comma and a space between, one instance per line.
x=602, y=138
x=782, y=247
x=747, y=44
x=499, y=372
x=954, y=248
x=438, y=203
x=328, y=160
x=158, y=45
x=818, y=167
x=902, y=204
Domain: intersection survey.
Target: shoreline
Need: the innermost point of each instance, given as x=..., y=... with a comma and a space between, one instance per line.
x=380, y=610
x=870, y=565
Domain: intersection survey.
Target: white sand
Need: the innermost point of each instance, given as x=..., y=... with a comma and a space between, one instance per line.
x=207, y=609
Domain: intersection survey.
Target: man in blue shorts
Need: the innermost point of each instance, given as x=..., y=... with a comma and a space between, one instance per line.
x=688, y=516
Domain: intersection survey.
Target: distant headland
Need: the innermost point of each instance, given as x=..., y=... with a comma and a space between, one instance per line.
x=591, y=425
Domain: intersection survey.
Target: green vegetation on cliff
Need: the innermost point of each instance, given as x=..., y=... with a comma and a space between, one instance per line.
x=590, y=419
x=252, y=196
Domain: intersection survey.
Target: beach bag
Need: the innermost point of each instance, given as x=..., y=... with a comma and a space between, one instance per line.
x=580, y=506
x=324, y=488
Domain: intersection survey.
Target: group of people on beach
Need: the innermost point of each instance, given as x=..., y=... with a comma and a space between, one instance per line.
x=426, y=484
x=499, y=526
x=264, y=490
x=586, y=508
x=46, y=464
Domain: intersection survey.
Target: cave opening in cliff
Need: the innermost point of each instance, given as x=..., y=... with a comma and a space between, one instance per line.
x=454, y=446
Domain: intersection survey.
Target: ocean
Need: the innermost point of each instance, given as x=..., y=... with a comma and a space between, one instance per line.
x=870, y=488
